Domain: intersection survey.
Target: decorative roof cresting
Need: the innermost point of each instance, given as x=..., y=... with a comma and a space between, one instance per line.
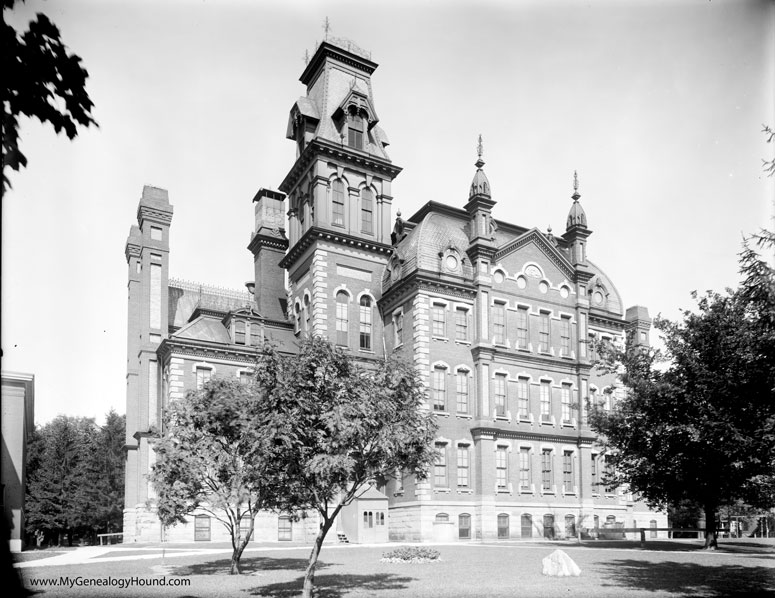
x=480, y=186
x=576, y=216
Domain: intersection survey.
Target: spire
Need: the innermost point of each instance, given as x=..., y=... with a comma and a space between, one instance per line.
x=480, y=186
x=576, y=216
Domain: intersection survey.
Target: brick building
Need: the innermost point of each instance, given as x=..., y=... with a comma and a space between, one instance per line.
x=496, y=316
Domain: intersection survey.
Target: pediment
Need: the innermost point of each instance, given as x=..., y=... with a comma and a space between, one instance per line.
x=204, y=328
x=361, y=102
x=538, y=239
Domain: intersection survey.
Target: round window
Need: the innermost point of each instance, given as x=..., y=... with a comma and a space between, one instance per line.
x=543, y=287
x=451, y=262
x=598, y=298
x=521, y=282
x=498, y=276
x=564, y=292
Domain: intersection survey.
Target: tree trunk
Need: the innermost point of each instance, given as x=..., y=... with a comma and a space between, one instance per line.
x=309, y=575
x=238, y=547
x=711, y=534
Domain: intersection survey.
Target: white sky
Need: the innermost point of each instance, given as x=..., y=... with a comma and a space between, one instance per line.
x=658, y=105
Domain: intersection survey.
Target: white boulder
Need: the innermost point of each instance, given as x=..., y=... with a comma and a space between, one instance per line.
x=559, y=564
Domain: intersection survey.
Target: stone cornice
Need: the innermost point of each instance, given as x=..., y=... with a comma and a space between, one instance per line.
x=320, y=234
x=153, y=214
x=607, y=321
x=327, y=50
x=198, y=348
x=493, y=432
x=441, y=208
x=429, y=282
x=131, y=250
x=258, y=240
x=318, y=148
x=515, y=356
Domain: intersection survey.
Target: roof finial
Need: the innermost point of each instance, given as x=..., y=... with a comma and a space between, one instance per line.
x=576, y=195
x=479, y=152
x=326, y=27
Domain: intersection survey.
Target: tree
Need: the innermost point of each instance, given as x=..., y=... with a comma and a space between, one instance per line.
x=106, y=474
x=343, y=426
x=58, y=482
x=703, y=429
x=216, y=454
x=42, y=80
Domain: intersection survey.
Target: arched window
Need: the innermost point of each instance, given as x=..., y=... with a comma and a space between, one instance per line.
x=527, y=526
x=297, y=318
x=570, y=526
x=439, y=388
x=342, y=303
x=367, y=211
x=503, y=526
x=549, y=527
x=464, y=526
x=365, y=323
x=337, y=206
x=442, y=517
x=307, y=313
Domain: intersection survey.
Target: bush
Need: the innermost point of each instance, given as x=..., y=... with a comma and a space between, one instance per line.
x=411, y=554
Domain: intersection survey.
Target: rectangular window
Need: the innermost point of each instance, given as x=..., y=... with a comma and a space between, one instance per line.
x=367, y=211
x=244, y=378
x=592, y=347
x=284, y=529
x=546, y=470
x=439, y=388
x=499, y=391
x=565, y=336
x=202, y=377
x=461, y=324
x=440, y=467
x=201, y=528
x=462, y=391
x=239, y=332
x=462, y=466
x=244, y=526
x=522, y=328
x=566, y=404
x=355, y=134
x=499, y=323
x=398, y=323
x=543, y=332
x=501, y=466
x=567, y=471
x=155, y=233
x=439, y=321
x=255, y=334
x=527, y=526
x=524, y=468
x=546, y=401
x=523, y=398
x=594, y=474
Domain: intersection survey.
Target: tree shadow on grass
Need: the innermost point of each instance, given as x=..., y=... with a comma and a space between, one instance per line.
x=671, y=546
x=690, y=578
x=336, y=586
x=247, y=566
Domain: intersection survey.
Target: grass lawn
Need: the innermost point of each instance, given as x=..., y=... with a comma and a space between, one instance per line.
x=474, y=570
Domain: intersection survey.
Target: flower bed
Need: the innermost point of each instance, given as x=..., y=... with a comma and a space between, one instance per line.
x=411, y=554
